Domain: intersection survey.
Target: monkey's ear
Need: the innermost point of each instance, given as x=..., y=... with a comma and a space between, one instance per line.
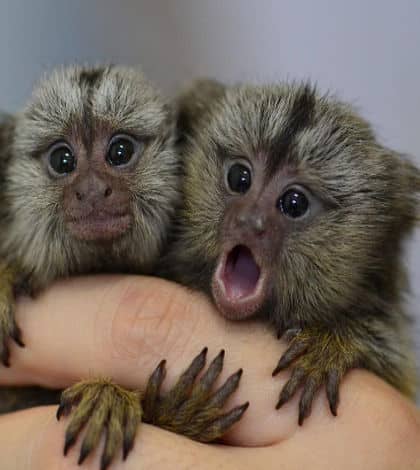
x=194, y=102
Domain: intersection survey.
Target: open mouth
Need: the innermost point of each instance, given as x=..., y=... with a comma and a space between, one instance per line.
x=241, y=273
x=238, y=283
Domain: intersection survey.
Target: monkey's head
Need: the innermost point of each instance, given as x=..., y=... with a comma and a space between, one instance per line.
x=292, y=208
x=93, y=177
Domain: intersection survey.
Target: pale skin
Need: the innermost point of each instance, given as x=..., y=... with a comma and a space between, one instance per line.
x=122, y=326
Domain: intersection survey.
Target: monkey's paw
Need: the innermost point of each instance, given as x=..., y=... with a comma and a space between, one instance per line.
x=317, y=358
x=8, y=326
x=101, y=406
x=193, y=409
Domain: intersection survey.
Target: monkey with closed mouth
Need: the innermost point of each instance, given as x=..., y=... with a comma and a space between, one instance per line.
x=90, y=183
x=295, y=213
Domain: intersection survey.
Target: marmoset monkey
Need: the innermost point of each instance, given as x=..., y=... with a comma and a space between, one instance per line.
x=89, y=183
x=294, y=212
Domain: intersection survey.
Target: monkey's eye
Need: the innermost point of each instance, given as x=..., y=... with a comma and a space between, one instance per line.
x=122, y=149
x=61, y=159
x=239, y=178
x=293, y=204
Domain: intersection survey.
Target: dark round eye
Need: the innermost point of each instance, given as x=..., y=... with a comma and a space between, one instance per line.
x=239, y=178
x=294, y=203
x=120, y=151
x=62, y=160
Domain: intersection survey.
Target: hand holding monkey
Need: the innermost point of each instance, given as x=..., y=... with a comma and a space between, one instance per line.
x=115, y=349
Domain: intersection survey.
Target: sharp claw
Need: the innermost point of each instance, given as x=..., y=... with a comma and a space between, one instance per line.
x=105, y=461
x=128, y=445
x=305, y=404
x=17, y=336
x=70, y=440
x=5, y=355
x=213, y=371
x=282, y=400
x=84, y=452
x=60, y=411
x=291, y=386
x=132, y=420
x=292, y=352
x=182, y=388
x=151, y=394
x=226, y=390
x=224, y=422
x=333, y=382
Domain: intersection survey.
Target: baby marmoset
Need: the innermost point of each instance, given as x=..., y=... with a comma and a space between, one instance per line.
x=295, y=213
x=90, y=181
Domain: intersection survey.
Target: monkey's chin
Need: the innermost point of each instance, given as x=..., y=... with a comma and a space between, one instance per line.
x=238, y=285
x=99, y=228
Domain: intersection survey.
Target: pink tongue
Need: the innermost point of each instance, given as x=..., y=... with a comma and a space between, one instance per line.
x=241, y=273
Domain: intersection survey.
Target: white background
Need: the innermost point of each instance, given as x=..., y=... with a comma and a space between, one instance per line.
x=367, y=51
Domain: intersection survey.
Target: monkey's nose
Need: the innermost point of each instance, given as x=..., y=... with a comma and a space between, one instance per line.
x=91, y=195
x=258, y=224
x=254, y=222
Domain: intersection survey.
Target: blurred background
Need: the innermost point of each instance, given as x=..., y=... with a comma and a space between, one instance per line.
x=368, y=52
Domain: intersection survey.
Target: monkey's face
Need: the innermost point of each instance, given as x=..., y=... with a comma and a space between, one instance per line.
x=93, y=165
x=292, y=203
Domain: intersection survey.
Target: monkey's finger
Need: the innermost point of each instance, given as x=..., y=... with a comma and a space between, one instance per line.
x=310, y=388
x=220, y=425
x=333, y=385
x=95, y=426
x=114, y=436
x=200, y=392
x=16, y=335
x=8, y=329
x=4, y=351
x=70, y=397
x=212, y=409
x=151, y=395
x=296, y=379
x=221, y=395
x=80, y=417
x=295, y=350
x=132, y=419
x=182, y=388
x=290, y=334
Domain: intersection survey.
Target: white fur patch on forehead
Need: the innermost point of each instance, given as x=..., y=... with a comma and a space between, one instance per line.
x=58, y=98
x=55, y=103
x=128, y=101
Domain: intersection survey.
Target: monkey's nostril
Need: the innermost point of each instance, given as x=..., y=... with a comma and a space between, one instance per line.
x=79, y=196
x=242, y=219
x=108, y=191
x=259, y=225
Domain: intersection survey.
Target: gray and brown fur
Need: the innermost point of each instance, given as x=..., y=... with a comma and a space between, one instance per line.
x=337, y=282
x=85, y=107
x=77, y=101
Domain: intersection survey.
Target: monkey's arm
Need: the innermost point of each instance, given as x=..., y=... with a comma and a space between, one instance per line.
x=9, y=282
x=19, y=398
x=321, y=355
x=190, y=409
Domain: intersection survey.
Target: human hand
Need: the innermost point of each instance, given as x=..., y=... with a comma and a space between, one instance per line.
x=122, y=326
